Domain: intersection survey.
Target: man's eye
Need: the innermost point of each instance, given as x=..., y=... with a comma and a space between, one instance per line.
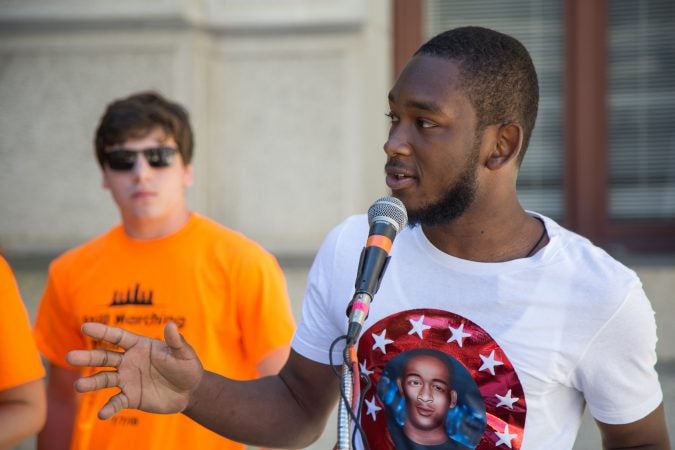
x=392, y=117
x=439, y=387
x=424, y=123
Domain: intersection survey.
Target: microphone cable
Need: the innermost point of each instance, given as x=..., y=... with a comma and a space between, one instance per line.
x=354, y=412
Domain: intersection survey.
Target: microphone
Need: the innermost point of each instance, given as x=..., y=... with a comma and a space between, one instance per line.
x=386, y=217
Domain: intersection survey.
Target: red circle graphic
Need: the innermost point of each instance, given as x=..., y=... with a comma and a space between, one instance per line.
x=461, y=339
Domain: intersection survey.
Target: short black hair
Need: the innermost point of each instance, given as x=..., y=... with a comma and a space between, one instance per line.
x=497, y=74
x=137, y=115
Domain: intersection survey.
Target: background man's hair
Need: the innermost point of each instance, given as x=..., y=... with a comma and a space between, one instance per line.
x=135, y=116
x=497, y=74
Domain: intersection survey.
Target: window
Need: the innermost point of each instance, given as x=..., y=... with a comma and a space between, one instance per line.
x=602, y=157
x=641, y=110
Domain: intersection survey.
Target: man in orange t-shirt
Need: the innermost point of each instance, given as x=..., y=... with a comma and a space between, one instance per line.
x=22, y=391
x=163, y=263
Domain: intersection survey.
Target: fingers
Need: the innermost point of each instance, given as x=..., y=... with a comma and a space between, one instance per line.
x=175, y=341
x=172, y=337
x=113, y=335
x=94, y=358
x=116, y=404
x=97, y=381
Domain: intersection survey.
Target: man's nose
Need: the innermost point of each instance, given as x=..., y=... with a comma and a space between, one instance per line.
x=424, y=394
x=141, y=167
x=397, y=144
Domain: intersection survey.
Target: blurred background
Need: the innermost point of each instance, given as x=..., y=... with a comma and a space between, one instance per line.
x=287, y=99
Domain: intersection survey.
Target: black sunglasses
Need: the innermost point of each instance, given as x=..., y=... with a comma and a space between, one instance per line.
x=123, y=159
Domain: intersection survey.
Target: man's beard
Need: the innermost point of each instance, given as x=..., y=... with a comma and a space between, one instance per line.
x=452, y=204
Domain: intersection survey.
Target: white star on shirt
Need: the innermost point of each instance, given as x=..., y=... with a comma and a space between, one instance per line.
x=381, y=341
x=458, y=335
x=418, y=326
x=505, y=437
x=489, y=362
x=373, y=408
x=366, y=372
x=506, y=400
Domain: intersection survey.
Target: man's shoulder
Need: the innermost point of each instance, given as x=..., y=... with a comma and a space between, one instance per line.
x=209, y=226
x=348, y=236
x=584, y=255
x=223, y=238
x=350, y=229
x=88, y=250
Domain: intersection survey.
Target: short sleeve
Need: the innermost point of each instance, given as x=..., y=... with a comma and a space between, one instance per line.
x=56, y=332
x=317, y=329
x=265, y=316
x=616, y=373
x=19, y=358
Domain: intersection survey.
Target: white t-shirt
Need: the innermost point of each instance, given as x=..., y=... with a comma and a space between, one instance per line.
x=536, y=335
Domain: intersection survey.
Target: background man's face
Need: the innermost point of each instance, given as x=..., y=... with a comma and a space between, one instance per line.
x=145, y=193
x=427, y=389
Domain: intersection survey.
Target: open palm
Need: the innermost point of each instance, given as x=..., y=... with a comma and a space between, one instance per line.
x=153, y=376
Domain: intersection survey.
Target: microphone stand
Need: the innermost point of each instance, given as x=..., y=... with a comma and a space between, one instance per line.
x=344, y=418
x=350, y=381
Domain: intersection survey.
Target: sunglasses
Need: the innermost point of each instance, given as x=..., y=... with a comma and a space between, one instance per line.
x=124, y=160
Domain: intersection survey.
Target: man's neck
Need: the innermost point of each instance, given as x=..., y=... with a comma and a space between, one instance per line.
x=435, y=436
x=156, y=228
x=495, y=237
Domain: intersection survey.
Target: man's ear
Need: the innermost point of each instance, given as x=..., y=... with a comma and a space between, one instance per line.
x=453, y=398
x=104, y=180
x=188, y=176
x=508, y=144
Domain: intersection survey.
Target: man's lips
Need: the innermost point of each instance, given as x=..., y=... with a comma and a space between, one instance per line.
x=399, y=177
x=138, y=195
x=424, y=411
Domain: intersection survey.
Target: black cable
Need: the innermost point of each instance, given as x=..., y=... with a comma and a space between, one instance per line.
x=362, y=397
x=343, y=395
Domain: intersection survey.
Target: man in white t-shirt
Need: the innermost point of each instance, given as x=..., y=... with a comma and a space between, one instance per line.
x=542, y=322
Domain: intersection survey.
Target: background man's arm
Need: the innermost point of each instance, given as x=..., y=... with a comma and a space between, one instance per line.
x=22, y=412
x=61, y=409
x=648, y=433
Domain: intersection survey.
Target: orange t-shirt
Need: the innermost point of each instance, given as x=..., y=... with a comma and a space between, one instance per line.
x=19, y=357
x=227, y=295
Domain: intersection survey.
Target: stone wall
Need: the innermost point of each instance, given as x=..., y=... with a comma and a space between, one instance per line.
x=287, y=100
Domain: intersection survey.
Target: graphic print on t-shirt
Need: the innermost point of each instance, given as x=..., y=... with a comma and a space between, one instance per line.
x=415, y=360
x=135, y=296
x=135, y=309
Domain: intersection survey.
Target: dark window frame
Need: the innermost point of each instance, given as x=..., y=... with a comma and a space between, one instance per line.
x=585, y=90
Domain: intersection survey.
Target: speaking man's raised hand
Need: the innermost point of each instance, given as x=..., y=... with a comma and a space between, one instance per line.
x=152, y=375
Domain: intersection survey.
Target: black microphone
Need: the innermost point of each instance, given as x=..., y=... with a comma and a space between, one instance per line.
x=386, y=217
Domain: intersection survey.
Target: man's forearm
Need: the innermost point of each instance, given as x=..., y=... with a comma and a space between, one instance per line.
x=261, y=412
